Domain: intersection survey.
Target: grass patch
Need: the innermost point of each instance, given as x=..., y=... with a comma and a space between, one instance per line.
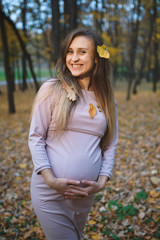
x=44, y=73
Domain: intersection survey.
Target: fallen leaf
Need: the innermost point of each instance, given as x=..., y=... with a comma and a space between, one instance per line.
x=154, y=194
x=141, y=215
x=91, y=222
x=22, y=165
x=155, y=180
x=92, y=110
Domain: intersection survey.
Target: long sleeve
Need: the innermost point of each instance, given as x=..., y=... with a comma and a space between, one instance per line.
x=109, y=154
x=38, y=132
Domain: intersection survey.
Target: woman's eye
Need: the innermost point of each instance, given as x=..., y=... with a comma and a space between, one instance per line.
x=82, y=52
x=70, y=51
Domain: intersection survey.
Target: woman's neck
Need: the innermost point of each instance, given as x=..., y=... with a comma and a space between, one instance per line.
x=85, y=84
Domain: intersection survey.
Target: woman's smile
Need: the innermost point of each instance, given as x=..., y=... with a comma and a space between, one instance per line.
x=80, y=58
x=76, y=66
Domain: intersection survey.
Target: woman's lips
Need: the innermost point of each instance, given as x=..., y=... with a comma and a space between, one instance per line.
x=76, y=66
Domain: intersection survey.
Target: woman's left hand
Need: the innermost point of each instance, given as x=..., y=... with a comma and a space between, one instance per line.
x=91, y=187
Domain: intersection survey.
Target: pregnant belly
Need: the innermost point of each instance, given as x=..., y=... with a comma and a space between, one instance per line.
x=76, y=166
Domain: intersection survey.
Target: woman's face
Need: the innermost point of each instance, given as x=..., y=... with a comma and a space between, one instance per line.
x=80, y=58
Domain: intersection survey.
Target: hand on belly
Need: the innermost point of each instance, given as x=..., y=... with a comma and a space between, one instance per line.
x=89, y=187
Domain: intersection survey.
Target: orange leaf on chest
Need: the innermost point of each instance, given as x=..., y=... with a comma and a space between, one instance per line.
x=92, y=110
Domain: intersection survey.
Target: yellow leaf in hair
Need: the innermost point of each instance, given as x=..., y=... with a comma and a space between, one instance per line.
x=103, y=53
x=92, y=110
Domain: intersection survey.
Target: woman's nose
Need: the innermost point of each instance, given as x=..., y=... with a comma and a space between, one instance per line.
x=75, y=57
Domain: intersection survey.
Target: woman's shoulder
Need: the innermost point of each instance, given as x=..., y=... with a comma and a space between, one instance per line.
x=50, y=82
x=46, y=90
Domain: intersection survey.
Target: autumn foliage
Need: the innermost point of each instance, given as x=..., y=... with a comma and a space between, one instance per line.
x=128, y=208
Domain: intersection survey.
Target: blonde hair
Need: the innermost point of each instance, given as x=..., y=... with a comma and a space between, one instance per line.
x=100, y=81
x=58, y=96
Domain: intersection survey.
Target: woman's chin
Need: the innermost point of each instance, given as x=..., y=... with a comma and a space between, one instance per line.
x=76, y=74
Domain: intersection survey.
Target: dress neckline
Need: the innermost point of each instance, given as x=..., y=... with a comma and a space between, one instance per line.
x=87, y=91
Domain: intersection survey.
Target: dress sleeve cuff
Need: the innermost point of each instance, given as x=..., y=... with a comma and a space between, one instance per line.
x=38, y=170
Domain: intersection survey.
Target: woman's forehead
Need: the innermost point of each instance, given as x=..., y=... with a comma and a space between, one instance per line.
x=81, y=42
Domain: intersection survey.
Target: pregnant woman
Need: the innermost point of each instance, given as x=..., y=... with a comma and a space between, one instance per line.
x=73, y=136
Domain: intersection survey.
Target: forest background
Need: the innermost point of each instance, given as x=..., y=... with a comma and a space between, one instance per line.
x=31, y=32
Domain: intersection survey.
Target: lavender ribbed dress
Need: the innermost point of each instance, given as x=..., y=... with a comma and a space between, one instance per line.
x=74, y=154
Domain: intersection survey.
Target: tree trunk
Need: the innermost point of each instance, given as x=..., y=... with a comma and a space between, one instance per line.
x=148, y=67
x=116, y=42
x=66, y=17
x=156, y=66
x=18, y=74
x=55, y=33
x=143, y=62
x=24, y=67
x=101, y=17
x=156, y=48
x=24, y=73
x=12, y=54
x=22, y=47
x=7, y=67
x=73, y=15
x=38, y=56
x=50, y=52
x=131, y=77
x=133, y=46
x=70, y=16
x=98, y=19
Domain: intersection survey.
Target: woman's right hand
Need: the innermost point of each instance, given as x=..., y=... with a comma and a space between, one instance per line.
x=61, y=185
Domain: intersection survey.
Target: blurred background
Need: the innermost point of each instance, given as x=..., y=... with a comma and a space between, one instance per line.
x=31, y=32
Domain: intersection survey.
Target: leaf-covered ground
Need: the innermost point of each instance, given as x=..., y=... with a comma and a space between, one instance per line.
x=128, y=208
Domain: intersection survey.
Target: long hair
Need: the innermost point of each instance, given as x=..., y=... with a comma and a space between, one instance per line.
x=100, y=82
